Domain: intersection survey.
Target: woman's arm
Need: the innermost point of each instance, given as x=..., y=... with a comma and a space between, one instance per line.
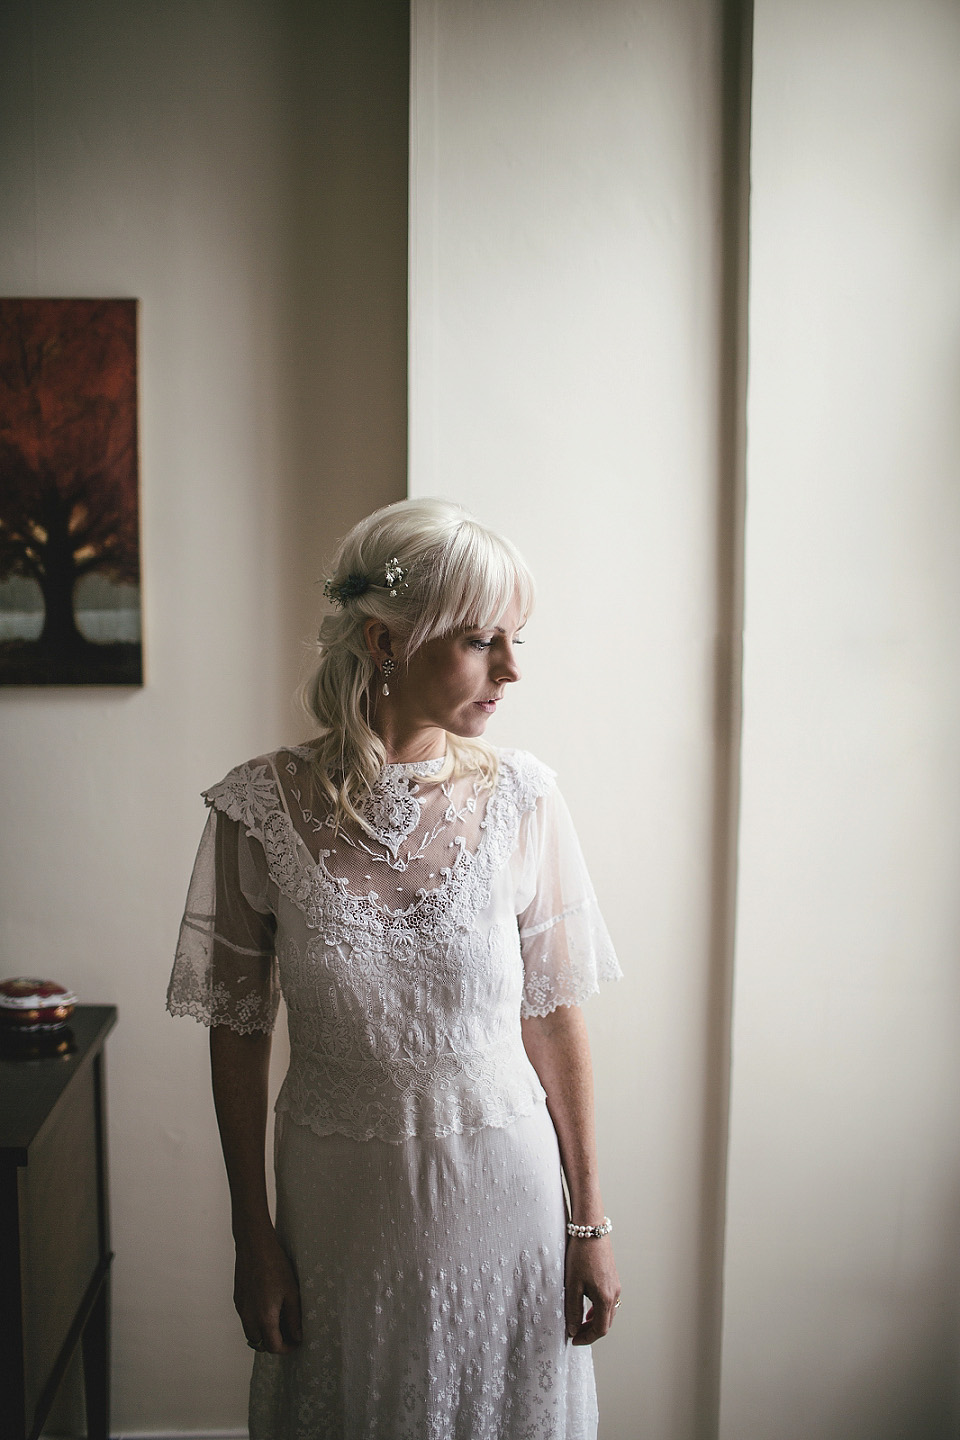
x=265, y=1287
x=559, y=1051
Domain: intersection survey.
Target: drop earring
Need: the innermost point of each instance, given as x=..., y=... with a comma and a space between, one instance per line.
x=387, y=670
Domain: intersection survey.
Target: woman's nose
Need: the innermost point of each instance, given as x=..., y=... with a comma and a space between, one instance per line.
x=508, y=670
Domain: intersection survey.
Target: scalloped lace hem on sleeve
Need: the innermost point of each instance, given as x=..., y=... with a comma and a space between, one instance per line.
x=201, y=1012
x=565, y=960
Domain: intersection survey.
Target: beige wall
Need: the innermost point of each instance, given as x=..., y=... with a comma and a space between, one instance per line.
x=843, y=1234
x=240, y=167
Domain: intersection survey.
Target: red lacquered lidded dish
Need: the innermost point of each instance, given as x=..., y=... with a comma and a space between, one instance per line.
x=30, y=1005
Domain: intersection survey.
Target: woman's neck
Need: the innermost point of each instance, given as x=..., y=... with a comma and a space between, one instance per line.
x=410, y=747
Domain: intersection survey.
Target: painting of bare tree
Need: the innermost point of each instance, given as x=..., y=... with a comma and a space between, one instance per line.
x=69, y=534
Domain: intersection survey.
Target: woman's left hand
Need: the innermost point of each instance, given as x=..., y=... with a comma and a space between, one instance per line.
x=559, y=1051
x=592, y=1275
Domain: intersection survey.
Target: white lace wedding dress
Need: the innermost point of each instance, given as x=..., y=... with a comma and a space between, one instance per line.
x=418, y=1176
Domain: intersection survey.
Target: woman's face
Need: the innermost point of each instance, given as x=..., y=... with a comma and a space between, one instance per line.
x=455, y=682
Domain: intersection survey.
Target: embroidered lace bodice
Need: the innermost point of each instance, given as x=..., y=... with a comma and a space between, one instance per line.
x=406, y=953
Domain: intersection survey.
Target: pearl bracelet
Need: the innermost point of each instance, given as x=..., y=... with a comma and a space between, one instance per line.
x=589, y=1232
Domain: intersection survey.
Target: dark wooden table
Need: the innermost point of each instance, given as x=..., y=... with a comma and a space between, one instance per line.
x=54, y=1229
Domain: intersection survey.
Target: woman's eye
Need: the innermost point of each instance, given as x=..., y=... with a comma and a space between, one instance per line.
x=479, y=644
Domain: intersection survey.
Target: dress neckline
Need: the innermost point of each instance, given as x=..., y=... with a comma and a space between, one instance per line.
x=401, y=768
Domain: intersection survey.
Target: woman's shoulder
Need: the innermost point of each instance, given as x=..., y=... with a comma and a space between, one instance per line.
x=252, y=789
x=526, y=777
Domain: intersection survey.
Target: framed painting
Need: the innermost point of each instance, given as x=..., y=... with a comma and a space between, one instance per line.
x=69, y=481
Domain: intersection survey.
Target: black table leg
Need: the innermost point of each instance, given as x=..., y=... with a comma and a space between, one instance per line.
x=96, y=1365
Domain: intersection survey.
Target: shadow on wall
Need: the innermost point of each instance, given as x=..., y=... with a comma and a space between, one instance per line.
x=901, y=1396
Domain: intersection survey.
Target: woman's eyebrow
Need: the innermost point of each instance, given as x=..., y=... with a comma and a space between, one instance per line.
x=496, y=629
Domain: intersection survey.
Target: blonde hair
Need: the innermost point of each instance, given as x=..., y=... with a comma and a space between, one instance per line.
x=458, y=575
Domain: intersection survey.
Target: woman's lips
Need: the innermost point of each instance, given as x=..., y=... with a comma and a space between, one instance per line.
x=487, y=706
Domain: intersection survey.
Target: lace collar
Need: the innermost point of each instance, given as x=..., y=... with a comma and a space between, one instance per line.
x=392, y=810
x=415, y=767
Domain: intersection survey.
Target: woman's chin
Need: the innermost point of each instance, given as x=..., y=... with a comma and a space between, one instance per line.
x=469, y=727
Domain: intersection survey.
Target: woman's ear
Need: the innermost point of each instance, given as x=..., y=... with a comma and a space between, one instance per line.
x=377, y=638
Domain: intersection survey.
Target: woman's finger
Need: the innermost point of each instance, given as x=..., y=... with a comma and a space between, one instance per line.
x=598, y=1319
x=573, y=1304
x=271, y=1338
x=594, y=1327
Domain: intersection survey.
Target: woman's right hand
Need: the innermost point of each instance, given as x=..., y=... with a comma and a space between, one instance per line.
x=267, y=1296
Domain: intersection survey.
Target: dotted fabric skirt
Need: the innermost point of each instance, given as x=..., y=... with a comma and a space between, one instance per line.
x=431, y=1277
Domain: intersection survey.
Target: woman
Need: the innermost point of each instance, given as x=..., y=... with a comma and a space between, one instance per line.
x=426, y=904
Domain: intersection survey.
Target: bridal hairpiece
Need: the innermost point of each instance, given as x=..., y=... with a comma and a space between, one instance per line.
x=395, y=577
x=341, y=591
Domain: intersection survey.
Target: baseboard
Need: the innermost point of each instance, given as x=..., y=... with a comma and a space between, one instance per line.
x=166, y=1435
x=180, y=1435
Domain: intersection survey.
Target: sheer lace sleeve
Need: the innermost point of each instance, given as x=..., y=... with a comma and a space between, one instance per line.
x=566, y=948
x=225, y=972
